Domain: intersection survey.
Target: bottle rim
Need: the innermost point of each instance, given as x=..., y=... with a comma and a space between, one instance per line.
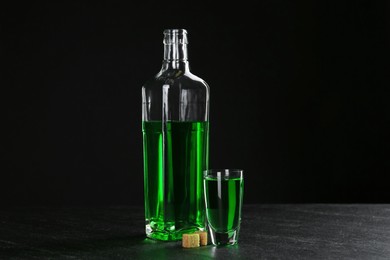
x=175, y=36
x=175, y=31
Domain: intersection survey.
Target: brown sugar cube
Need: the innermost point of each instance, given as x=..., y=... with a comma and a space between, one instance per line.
x=190, y=240
x=202, y=237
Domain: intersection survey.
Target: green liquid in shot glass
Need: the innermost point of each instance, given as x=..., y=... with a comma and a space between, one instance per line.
x=223, y=203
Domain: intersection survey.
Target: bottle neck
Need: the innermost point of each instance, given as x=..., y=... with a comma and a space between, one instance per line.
x=175, y=50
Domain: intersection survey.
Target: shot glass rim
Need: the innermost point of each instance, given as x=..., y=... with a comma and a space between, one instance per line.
x=232, y=173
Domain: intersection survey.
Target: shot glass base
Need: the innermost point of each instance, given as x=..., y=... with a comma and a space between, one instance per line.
x=223, y=238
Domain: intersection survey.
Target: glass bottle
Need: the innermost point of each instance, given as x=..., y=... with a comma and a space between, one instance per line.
x=175, y=124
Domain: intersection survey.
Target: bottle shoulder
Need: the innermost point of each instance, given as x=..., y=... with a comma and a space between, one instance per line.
x=173, y=78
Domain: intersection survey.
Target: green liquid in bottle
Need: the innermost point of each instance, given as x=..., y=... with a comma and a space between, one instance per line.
x=223, y=203
x=174, y=198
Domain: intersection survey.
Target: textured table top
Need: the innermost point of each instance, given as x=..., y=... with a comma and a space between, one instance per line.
x=284, y=231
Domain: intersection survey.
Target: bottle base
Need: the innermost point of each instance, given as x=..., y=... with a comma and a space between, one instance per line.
x=162, y=235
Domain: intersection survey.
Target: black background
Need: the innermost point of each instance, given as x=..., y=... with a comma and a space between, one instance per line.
x=299, y=97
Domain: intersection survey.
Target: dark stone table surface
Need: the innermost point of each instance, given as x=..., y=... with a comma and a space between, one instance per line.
x=276, y=231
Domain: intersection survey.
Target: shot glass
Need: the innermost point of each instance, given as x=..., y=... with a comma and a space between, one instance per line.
x=223, y=192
